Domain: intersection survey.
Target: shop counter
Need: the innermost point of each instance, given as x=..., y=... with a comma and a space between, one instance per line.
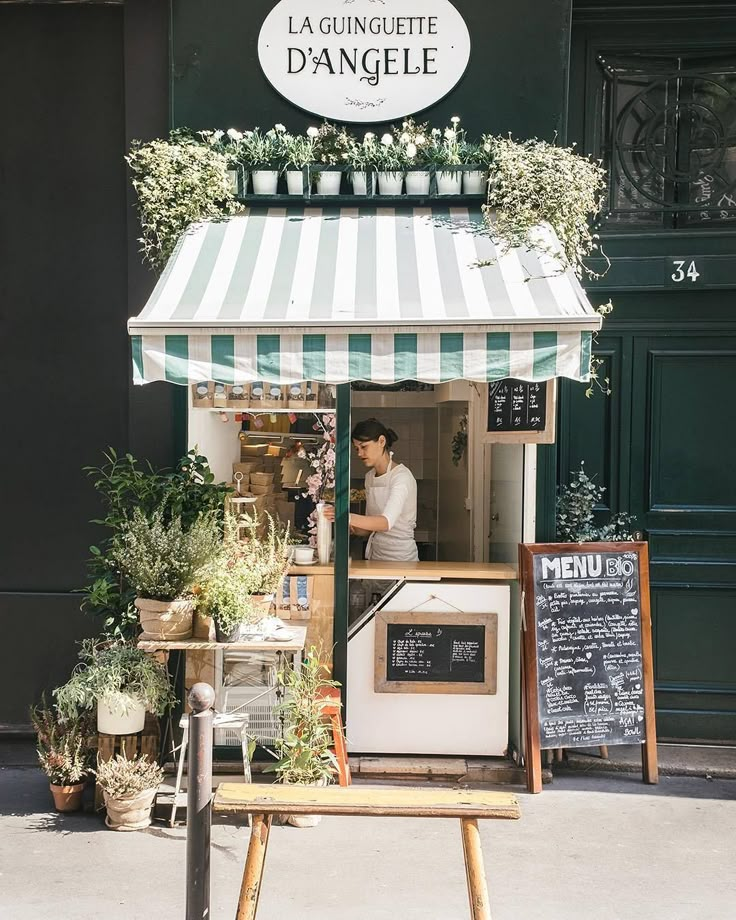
x=417, y=571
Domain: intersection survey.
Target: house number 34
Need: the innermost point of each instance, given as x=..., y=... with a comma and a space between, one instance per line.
x=681, y=273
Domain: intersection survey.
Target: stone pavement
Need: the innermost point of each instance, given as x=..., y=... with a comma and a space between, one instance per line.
x=590, y=847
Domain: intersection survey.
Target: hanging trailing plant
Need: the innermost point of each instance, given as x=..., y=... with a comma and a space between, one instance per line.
x=177, y=182
x=532, y=182
x=460, y=440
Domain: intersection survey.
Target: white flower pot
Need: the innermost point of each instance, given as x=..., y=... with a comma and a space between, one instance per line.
x=265, y=181
x=328, y=182
x=417, y=182
x=390, y=183
x=449, y=183
x=294, y=181
x=474, y=182
x=232, y=178
x=119, y=715
x=360, y=183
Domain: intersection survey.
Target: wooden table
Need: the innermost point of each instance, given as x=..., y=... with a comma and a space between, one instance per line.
x=263, y=802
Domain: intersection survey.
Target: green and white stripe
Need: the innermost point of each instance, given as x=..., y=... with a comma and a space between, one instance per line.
x=378, y=294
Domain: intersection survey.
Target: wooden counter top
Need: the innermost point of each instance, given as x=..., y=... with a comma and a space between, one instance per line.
x=433, y=571
x=417, y=571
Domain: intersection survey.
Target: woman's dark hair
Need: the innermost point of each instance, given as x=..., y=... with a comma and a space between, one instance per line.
x=371, y=430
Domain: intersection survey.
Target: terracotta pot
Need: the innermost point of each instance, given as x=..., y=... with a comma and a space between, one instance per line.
x=165, y=619
x=67, y=798
x=131, y=812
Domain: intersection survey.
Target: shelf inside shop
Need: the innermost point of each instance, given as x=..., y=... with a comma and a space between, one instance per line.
x=254, y=411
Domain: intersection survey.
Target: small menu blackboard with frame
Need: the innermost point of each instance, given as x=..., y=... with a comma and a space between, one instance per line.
x=452, y=652
x=588, y=673
x=519, y=411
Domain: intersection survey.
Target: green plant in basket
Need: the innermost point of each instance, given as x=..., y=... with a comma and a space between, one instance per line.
x=305, y=751
x=121, y=777
x=160, y=559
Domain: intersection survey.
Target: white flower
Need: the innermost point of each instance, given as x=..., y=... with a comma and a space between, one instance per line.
x=312, y=132
x=455, y=120
x=280, y=128
x=404, y=124
x=369, y=136
x=420, y=140
x=436, y=132
x=234, y=135
x=411, y=150
x=449, y=134
x=216, y=136
x=487, y=147
x=387, y=140
x=405, y=138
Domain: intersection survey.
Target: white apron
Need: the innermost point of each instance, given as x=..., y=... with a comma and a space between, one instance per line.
x=386, y=545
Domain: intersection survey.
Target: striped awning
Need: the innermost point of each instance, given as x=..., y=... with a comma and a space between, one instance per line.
x=374, y=294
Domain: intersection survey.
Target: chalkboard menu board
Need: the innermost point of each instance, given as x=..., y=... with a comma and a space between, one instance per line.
x=588, y=643
x=436, y=653
x=516, y=405
x=442, y=653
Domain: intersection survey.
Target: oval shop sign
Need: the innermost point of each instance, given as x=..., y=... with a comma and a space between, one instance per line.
x=364, y=60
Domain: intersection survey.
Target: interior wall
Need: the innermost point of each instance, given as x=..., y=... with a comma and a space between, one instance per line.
x=453, y=516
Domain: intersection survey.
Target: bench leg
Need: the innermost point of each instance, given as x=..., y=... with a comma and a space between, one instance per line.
x=475, y=871
x=253, y=873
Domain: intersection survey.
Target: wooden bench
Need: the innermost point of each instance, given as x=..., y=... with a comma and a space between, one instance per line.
x=263, y=802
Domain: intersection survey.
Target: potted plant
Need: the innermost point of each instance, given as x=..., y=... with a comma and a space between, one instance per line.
x=163, y=562
x=575, y=519
x=414, y=140
x=445, y=152
x=260, y=153
x=122, y=681
x=63, y=752
x=265, y=553
x=304, y=752
x=361, y=159
x=129, y=788
x=475, y=177
x=296, y=154
x=391, y=163
x=228, y=144
x=331, y=149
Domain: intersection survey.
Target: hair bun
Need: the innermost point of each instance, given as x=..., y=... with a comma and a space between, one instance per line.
x=391, y=436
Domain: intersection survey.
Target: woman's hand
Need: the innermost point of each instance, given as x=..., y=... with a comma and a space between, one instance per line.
x=329, y=512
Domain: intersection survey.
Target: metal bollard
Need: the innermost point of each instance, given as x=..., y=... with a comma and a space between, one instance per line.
x=199, y=801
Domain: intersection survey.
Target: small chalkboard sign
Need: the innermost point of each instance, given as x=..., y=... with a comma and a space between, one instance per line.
x=587, y=649
x=436, y=652
x=520, y=411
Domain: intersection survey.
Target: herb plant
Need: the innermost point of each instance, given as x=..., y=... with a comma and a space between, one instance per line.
x=304, y=752
x=390, y=156
x=177, y=182
x=63, y=746
x=122, y=778
x=119, y=670
x=576, y=504
x=413, y=140
x=362, y=155
x=296, y=150
x=262, y=150
x=331, y=144
x=160, y=559
x=446, y=145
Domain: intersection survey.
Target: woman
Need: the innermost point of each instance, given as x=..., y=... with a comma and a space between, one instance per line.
x=391, y=496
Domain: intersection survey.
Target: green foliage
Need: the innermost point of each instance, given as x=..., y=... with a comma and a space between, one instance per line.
x=118, y=668
x=534, y=181
x=575, y=513
x=332, y=144
x=297, y=150
x=264, y=553
x=177, y=182
x=262, y=149
x=390, y=155
x=121, y=778
x=63, y=746
x=362, y=155
x=184, y=492
x=305, y=754
x=446, y=146
x=414, y=141
x=161, y=560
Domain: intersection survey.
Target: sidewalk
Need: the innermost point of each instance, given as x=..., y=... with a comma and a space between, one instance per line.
x=590, y=846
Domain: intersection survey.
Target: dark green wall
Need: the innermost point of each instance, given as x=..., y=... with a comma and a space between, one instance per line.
x=516, y=79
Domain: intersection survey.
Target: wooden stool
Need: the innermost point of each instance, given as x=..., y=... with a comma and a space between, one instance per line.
x=332, y=707
x=263, y=802
x=145, y=742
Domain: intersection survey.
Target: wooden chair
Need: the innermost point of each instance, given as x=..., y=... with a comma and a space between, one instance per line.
x=263, y=802
x=332, y=708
